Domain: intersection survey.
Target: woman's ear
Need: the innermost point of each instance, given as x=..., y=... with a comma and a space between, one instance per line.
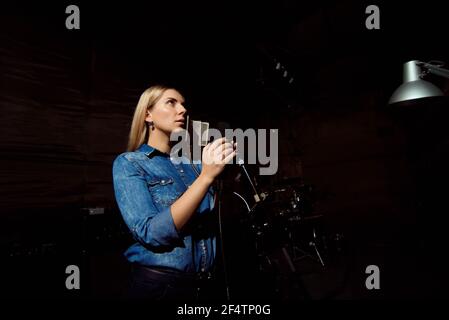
x=148, y=117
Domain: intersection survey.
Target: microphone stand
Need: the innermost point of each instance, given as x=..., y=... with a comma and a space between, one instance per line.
x=219, y=192
x=220, y=225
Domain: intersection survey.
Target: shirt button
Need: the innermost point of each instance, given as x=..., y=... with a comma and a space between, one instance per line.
x=181, y=171
x=162, y=181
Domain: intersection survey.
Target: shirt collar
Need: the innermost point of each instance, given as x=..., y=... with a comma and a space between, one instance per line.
x=149, y=150
x=146, y=149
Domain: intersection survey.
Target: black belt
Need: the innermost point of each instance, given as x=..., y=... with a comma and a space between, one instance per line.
x=171, y=275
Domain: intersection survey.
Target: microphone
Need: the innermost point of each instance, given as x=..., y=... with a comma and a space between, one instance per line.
x=198, y=131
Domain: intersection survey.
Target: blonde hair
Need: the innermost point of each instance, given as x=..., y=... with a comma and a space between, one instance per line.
x=139, y=128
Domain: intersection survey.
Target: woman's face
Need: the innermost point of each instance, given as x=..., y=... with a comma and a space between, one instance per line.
x=168, y=113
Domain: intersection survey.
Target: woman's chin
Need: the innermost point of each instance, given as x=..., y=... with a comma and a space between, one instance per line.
x=178, y=129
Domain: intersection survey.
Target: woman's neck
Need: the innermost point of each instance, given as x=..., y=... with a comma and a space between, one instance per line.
x=160, y=141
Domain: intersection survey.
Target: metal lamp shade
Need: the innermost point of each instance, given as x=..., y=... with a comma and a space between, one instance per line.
x=414, y=87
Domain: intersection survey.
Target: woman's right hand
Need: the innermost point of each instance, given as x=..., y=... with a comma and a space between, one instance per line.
x=215, y=156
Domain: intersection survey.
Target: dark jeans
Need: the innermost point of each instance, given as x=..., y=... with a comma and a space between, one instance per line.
x=165, y=285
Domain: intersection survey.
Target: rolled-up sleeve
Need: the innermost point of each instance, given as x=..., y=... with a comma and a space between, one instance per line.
x=150, y=226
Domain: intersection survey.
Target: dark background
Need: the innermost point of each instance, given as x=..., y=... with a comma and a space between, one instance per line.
x=380, y=173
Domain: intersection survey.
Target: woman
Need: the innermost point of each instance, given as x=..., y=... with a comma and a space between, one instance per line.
x=167, y=204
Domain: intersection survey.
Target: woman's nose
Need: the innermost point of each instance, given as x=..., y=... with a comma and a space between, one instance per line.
x=182, y=109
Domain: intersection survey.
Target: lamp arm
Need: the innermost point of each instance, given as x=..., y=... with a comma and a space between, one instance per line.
x=435, y=70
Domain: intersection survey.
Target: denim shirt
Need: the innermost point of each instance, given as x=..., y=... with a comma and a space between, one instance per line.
x=146, y=183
